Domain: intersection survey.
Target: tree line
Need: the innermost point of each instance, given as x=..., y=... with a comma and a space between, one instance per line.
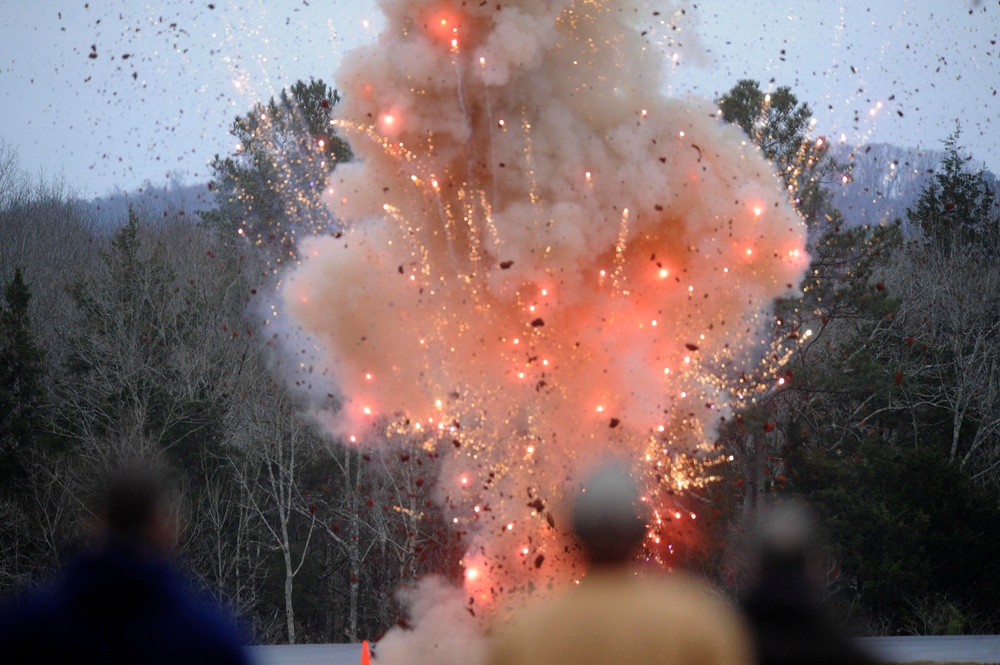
x=142, y=337
x=886, y=417
x=145, y=336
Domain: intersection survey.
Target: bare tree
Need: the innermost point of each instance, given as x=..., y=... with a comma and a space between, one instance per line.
x=275, y=446
x=13, y=179
x=950, y=351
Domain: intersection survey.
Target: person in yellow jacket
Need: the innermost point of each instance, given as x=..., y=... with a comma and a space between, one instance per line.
x=617, y=615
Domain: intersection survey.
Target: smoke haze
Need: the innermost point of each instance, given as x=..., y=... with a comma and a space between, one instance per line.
x=545, y=261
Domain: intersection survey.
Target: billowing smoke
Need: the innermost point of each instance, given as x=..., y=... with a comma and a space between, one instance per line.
x=545, y=260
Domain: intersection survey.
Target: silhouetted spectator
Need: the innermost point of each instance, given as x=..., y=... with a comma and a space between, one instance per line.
x=123, y=600
x=617, y=615
x=783, y=602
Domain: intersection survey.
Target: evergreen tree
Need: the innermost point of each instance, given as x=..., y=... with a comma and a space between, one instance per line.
x=957, y=208
x=779, y=125
x=273, y=184
x=22, y=370
x=839, y=293
x=912, y=533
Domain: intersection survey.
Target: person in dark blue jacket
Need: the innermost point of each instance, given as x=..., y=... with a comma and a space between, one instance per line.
x=123, y=600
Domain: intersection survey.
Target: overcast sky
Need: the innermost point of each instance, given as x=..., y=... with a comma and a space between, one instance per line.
x=111, y=93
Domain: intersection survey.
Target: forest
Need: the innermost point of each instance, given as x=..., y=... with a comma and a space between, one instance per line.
x=878, y=401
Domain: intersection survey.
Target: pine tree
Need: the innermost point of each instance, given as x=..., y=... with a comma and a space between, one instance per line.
x=273, y=184
x=779, y=124
x=22, y=373
x=957, y=206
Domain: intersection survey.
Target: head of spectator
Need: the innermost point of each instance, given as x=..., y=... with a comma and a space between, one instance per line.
x=137, y=506
x=786, y=549
x=609, y=519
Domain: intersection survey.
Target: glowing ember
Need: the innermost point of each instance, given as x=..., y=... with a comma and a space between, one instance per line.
x=534, y=315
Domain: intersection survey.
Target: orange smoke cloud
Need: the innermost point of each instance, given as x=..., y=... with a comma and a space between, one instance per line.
x=544, y=260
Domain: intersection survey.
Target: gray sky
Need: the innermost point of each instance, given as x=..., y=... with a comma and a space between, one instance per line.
x=193, y=65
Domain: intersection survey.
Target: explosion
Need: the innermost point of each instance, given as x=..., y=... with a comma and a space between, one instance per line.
x=544, y=260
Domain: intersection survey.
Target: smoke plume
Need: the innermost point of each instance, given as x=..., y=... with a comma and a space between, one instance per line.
x=544, y=260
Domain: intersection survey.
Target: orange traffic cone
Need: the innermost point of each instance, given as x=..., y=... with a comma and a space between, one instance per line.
x=366, y=657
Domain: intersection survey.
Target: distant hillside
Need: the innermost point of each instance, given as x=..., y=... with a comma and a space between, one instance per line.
x=152, y=201
x=886, y=180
